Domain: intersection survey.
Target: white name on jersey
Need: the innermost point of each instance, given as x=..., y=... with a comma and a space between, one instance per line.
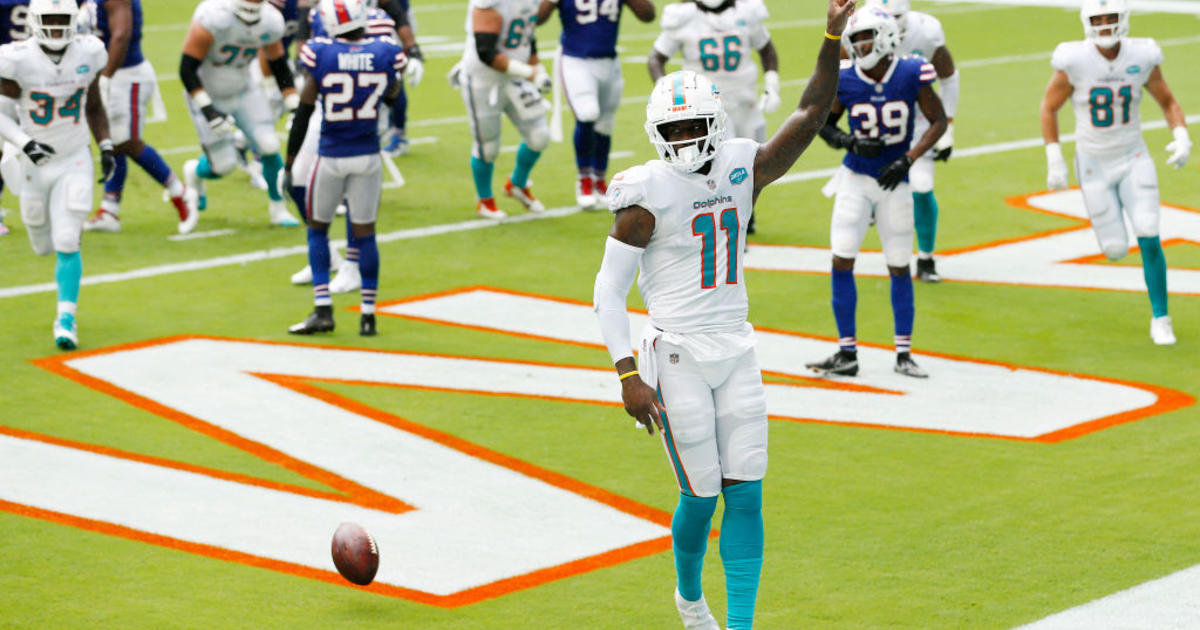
x=356, y=61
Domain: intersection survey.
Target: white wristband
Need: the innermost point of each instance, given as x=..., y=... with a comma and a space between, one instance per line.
x=771, y=80
x=201, y=99
x=106, y=145
x=519, y=69
x=1054, y=154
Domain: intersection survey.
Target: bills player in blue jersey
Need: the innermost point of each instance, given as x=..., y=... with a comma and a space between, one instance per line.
x=881, y=92
x=351, y=75
x=127, y=83
x=591, y=76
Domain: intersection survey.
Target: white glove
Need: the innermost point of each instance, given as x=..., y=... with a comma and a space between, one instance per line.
x=945, y=144
x=414, y=71
x=454, y=77
x=541, y=80
x=1056, y=167
x=770, y=97
x=105, y=86
x=1180, y=147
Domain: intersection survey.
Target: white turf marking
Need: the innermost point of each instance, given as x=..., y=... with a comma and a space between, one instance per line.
x=195, y=235
x=1168, y=603
x=963, y=396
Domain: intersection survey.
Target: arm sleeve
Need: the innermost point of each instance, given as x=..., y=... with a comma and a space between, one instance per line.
x=613, y=282
x=9, y=127
x=950, y=94
x=485, y=47
x=188, y=73
x=282, y=73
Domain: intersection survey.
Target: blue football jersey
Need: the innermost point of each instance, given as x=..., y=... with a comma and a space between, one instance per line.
x=14, y=21
x=589, y=27
x=133, y=56
x=885, y=110
x=352, y=77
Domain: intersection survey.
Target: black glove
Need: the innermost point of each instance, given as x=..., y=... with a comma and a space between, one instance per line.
x=108, y=162
x=942, y=155
x=894, y=173
x=219, y=122
x=838, y=139
x=866, y=147
x=38, y=153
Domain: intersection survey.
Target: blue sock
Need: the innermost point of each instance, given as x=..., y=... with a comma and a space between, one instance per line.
x=400, y=109
x=742, y=550
x=318, y=259
x=482, y=172
x=903, y=310
x=845, y=303
x=68, y=272
x=1154, y=268
x=526, y=158
x=153, y=164
x=116, y=183
x=689, y=538
x=368, y=267
x=600, y=155
x=271, y=165
x=925, y=216
x=204, y=169
x=585, y=144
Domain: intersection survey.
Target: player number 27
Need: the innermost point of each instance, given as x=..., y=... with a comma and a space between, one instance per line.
x=341, y=85
x=588, y=11
x=888, y=123
x=705, y=226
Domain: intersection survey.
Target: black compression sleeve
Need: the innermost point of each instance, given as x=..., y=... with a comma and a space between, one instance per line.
x=299, y=128
x=282, y=73
x=188, y=73
x=485, y=45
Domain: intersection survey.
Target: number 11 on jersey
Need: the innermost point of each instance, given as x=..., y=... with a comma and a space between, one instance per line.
x=705, y=226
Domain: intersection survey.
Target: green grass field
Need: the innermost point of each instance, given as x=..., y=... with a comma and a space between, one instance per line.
x=866, y=527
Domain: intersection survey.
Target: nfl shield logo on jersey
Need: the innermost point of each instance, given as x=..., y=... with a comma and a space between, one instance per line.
x=674, y=358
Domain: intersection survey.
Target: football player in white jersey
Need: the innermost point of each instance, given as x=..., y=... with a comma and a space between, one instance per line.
x=500, y=73
x=223, y=40
x=49, y=99
x=1103, y=75
x=921, y=34
x=681, y=221
x=715, y=38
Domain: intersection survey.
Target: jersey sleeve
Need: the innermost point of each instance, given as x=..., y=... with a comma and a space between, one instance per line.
x=1154, y=53
x=397, y=59
x=674, y=17
x=308, y=56
x=1061, y=58
x=97, y=53
x=8, y=62
x=273, y=23
x=926, y=74
x=755, y=14
x=666, y=44
x=934, y=34
x=628, y=188
x=211, y=17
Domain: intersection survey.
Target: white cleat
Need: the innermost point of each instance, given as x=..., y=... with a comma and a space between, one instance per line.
x=65, y=335
x=102, y=221
x=524, y=195
x=585, y=193
x=304, y=276
x=1161, y=330
x=695, y=615
x=193, y=213
x=487, y=209
x=279, y=214
x=194, y=192
x=347, y=279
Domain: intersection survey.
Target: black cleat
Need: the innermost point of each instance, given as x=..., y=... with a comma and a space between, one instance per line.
x=366, y=325
x=840, y=363
x=321, y=320
x=906, y=366
x=927, y=271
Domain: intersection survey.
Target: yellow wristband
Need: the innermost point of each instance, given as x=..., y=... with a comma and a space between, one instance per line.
x=627, y=374
x=833, y=37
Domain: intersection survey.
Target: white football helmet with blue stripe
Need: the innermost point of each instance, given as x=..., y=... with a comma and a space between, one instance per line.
x=342, y=16
x=885, y=36
x=685, y=95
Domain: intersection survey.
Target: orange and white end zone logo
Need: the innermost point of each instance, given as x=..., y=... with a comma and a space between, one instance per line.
x=426, y=495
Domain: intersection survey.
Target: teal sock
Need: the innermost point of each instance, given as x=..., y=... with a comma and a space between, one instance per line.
x=689, y=539
x=271, y=165
x=482, y=172
x=204, y=169
x=526, y=158
x=742, y=551
x=1154, y=267
x=68, y=273
x=925, y=216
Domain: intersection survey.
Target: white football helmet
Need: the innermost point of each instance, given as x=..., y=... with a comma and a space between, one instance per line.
x=248, y=11
x=342, y=16
x=899, y=10
x=685, y=95
x=1093, y=8
x=57, y=36
x=884, y=40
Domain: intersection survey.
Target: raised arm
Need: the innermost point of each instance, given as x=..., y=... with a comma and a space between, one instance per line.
x=793, y=137
x=642, y=9
x=546, y=8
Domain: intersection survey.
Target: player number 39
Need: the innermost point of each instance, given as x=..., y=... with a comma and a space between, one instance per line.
x=894, y=118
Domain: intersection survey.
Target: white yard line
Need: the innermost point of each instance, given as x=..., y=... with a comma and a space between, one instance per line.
x=1168, y=603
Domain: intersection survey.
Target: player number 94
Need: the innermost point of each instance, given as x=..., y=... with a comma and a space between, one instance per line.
x=588, y=11
x=888, y=122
